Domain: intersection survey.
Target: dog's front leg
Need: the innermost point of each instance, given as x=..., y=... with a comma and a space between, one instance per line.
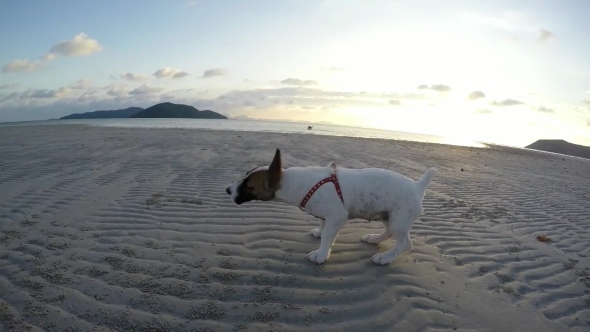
x=331, y=228
x=318, y=231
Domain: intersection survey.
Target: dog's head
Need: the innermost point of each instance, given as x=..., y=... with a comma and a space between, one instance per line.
x=260, y=184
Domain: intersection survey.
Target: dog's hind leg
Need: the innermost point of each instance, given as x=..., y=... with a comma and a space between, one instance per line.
x=400, y=227
x=376, y=238
x=318, y=231
x=402, y=244
x=331, y=229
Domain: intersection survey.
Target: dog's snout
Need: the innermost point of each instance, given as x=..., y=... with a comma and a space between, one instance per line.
x=228, y=190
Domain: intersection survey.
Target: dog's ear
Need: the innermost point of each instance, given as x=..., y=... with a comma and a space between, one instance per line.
x=275, y=171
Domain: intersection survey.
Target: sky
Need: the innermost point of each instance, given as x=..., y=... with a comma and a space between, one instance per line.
x=508, y=72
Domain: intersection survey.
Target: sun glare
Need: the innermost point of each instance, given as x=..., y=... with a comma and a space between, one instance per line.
x=454, y=119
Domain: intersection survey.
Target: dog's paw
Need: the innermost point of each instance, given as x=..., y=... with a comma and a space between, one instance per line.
x=317, y=256
x=371, y=238
x=381, y=259
x=316, y=233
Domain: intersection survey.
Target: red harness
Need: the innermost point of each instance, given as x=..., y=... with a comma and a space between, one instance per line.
x=331, y=178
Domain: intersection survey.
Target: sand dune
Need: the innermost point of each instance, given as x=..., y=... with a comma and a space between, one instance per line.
x=130, y=230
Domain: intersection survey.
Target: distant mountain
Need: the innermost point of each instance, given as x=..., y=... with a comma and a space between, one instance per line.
x=170, y=110
x=562, y=147
x=163, y=110
x=122, y=113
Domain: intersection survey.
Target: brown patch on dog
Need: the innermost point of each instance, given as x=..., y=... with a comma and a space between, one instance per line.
x=275, y=171
x=255, y=186
x=250, y=171
x=261, y=185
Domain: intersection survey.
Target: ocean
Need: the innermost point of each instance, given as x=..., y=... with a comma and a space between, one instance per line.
x=257, y=126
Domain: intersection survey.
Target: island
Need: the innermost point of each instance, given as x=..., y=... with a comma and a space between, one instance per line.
x=162, y=110
x=170, y=110
x=115, y=114
x=562, y=147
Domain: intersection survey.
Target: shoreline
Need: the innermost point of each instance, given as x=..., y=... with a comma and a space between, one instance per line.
x=59, y=122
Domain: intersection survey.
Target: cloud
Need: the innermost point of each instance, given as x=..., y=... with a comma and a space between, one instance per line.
x=81, y=44
x=170, y=73
x=290, y=98
x=45, y=93
x=588, y=122
x=173, y=94
x=49, y=57
x=89, y=95
x=508, y=20
x=395, y=102
x=43, y=104
x=38, y=93
x=545, y=36
x=80, y=84
x=545, y=110
x=514, y=39
x=397, y=95
x=507, y=102
x=214, y=72
x=298, y=82
x=440, y=87
x=475, y=95
x=62, y=92
x=246, y=80
x=180, y=74
x=44, y=108
x=146, y=89
x=435, y=87
x=8, y=86
x=117, y=92
x=336, y=68
x=586, y=102
x=520, y=25
x=19, y=65
x=133, y=77
x=484, y=111
x=10, y=97
x=78, y=90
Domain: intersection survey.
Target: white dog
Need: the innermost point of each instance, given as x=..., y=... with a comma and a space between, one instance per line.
x=370, y=194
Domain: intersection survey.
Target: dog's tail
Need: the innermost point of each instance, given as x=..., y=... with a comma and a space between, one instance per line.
x=422, y=184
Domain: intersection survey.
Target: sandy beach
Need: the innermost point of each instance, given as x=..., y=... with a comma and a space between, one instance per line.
x=111, y=229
